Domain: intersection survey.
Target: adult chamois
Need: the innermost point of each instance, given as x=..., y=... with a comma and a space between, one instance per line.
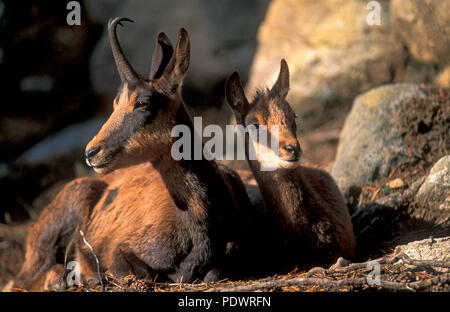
x=314, y=223
x=148, y=215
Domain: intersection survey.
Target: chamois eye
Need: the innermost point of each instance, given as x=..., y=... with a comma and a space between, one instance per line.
x=141, y=104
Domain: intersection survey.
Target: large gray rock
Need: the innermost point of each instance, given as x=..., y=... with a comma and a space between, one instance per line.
x=332, y=52
x=370, y=144
x=424, y=26
x=434, y=194
x=63, y=142
x=222, y=33
x=427, y=249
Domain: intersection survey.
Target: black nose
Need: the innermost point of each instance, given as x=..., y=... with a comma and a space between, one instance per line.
x=92, y=151
x=294, y=150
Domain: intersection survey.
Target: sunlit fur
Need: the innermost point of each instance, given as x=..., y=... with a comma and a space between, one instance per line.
x=269, y=110
x=149, y=215
x=138, y=140
x=314, y=223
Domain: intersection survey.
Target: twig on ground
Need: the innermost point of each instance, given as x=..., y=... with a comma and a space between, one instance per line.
x=421, y=263
x=324, y=282
x=96, y=260
x=355, y=281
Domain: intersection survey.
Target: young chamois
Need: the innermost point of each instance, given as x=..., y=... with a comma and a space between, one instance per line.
x=149, y=215
x=313, y=219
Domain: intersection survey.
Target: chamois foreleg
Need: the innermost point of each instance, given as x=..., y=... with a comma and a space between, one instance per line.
x=51, y=233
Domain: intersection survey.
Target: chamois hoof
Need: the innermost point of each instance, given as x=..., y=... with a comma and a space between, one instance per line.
x=8, y=287
x=91, y=281
x=213, y=275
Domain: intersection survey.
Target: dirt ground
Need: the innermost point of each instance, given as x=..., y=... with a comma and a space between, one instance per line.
x=397, y=276
x=425, y=127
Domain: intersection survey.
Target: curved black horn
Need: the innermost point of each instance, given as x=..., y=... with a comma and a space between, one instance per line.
x=126, y=72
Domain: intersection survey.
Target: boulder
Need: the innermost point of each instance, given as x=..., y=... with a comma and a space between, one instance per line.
x=437, y=249
x=223, y=38
x=370, y=144
x=434, y=194
x=424, y=26
x=64, y=142
x=332, y=51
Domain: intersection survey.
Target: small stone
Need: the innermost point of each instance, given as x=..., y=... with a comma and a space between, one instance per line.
x=340, y=263
x=36, y=84
x=5, y=170
x=434, y=194
x=443, y=78
x=396, y=183
x=447, y=199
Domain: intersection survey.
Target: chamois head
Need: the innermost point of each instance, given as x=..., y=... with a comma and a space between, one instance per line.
x=144, y=109
x=268, y=108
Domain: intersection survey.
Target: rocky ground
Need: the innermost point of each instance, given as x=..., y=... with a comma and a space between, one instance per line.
x=398, y=272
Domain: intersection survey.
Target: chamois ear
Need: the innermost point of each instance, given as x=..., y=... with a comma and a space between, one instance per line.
x=179, y=63
x=161, y=56
x=281, y=86
x=235, y=95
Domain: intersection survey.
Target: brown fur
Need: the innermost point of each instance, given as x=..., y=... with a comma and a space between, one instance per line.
x=149, y=215
x=306, y=202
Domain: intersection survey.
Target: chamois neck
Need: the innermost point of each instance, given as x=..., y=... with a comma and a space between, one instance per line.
x=284, y=190
x=273, y=184
x=186, y=180
x=179, y=115
x=281, y=189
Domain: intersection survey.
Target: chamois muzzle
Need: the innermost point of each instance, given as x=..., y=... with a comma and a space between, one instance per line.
x=90, y=154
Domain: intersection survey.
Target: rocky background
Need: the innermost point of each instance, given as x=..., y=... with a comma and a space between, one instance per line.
x=373, y=100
